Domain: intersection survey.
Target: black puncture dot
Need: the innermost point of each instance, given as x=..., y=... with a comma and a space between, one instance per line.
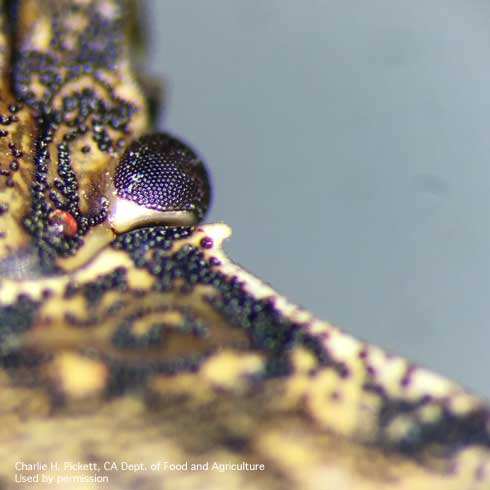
x=206, y=242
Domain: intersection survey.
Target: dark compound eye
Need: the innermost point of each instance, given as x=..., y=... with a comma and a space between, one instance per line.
x=159, y=180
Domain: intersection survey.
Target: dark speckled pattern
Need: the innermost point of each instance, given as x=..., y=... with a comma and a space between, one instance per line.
x=77, y=109
x=153, y=344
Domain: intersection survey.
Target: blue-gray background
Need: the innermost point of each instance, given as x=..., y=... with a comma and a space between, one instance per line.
x=349, y=147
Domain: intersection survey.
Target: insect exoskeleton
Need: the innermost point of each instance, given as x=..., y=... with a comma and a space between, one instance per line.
x=158, y=181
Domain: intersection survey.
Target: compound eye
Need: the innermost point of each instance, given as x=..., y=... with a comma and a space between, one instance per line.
x=159, y=180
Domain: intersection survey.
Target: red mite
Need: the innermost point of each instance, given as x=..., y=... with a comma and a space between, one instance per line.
x=65, y=221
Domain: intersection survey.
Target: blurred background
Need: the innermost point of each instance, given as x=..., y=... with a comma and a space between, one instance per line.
x=348, y=142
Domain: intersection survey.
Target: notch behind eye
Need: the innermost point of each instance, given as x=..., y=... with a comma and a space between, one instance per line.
x=159, y=180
